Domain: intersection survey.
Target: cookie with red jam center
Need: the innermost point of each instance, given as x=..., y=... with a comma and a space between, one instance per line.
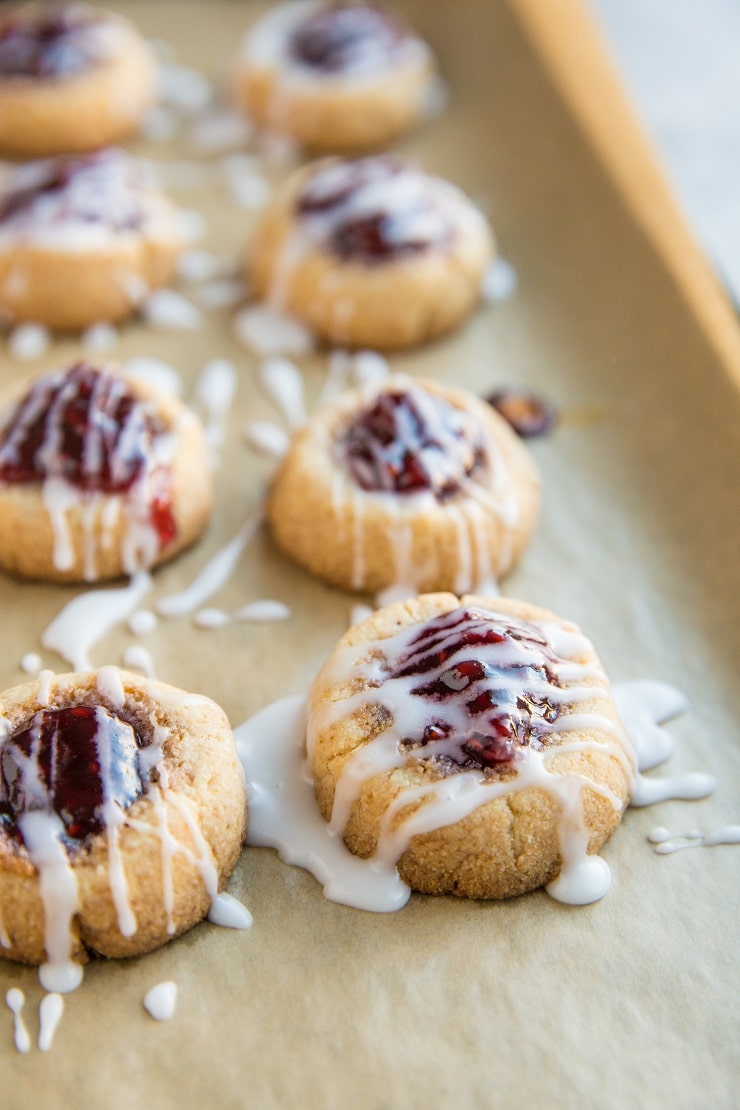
x=371, y=252
x=71, y=79
x=99, y=476
x=82, y=239
x=122, y=815
x=60, y=42
x=405, y=487
x=335, y=77
x=473, y=743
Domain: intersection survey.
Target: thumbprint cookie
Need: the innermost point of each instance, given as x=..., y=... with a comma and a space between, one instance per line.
x=122, y=815
x=473, y=743
x=99, y=476
x=405, y=488
x=371, y=252
x=82, y=238
x=72, y=78
x=337, y=78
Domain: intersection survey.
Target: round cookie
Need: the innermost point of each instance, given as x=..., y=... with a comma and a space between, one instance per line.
x=338, y=78
x=82, y=239
x=100, y=476
x=405, y=487
x=371, y=252
x=122, y=815
x=71, y=79
x=473, y=742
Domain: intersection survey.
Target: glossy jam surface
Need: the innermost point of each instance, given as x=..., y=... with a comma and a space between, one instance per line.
x=346, y=38
x=85, y=426
x=528, y=414
x=102, y=187
x=485, y=682
x=72, y=763
x=373, y=210
x=62, y=42
x=410, y=442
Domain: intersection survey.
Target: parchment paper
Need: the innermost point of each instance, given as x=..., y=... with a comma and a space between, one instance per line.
x=628, y=1002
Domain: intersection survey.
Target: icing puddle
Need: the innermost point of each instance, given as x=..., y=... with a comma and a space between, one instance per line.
x=283, y=812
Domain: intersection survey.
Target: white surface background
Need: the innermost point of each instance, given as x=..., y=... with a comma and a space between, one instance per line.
x=680, y=62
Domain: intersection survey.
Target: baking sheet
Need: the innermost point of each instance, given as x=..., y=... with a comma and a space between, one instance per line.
x=628, y=1001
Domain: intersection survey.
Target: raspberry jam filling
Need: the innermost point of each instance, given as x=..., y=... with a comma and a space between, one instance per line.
x=347, y=38
x=373, y=210
x=102, y=187
x=487, y=681
x=410, y=442
x=71, y=762
x=61, y=43
x=86, y=427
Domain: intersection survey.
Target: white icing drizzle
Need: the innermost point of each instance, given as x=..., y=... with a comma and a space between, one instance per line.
x=136, y=655
x=191, y=225
x=266, y=439
x=110, y=686
x=196, y=265
x=211, y=618
x=31, y=663
x=369, y=368
x=283, y=813
x=46, y=678
x=436, y=98
x=160, y=1001
x=213, y=395
x=218, y=131
x=51, y=1010
x=263, y=611
x=642, y=707
x=113, y=820
x=159, y=124
x=221, y=293
x=283, y=384
x=183, y=88
x=499, y=281
x=95, y=202
x=164, y=308
x=142, y=622
x=159, y=374
x=266, y=330
x=88, y=617
x=228, y=912
x=214, y=574
x=359, y=613
x=203, y=856
x=666, y=843
x=99, y=337
x=28, y=342
x=42, y=833
x=15, y=1000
